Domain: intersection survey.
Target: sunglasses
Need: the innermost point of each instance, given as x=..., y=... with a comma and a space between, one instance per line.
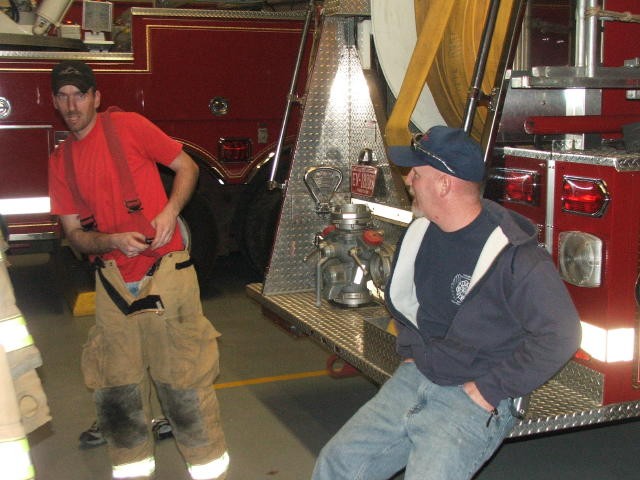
x=416, y=147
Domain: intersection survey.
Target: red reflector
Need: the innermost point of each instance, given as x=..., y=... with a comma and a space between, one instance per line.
x=584, y=196
x=520, y=187
x=234, y=149
x=582, y=355
x=516, y=186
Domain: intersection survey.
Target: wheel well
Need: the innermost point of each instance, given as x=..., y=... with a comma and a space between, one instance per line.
x=262, y=171
x=201, y=222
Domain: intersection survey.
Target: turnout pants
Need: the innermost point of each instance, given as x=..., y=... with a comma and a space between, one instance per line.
x=177, y=346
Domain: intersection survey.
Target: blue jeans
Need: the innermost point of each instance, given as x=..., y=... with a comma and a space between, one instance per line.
x=435, y=432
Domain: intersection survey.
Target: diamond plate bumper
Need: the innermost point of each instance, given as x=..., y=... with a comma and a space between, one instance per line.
x=571, y=399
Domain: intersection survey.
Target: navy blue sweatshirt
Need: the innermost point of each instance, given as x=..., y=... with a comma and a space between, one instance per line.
x=516, y=327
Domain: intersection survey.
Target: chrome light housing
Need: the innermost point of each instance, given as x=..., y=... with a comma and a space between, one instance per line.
x=580, y=258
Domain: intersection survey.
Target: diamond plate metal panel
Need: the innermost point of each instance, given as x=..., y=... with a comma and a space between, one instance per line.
x=621, y=161
x=582, y=416
x=347, y=7
x=579, y=377
x=354, y=334
x=570, y=399
x=338, y=122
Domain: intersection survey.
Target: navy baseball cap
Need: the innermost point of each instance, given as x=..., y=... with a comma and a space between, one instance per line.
x=447, y=149
x=72, y=72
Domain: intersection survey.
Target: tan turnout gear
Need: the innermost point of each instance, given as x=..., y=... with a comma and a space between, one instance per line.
x=176, y=344
x=23, y=404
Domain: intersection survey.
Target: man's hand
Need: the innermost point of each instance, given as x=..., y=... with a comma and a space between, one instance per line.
x=129, y=243
x=164, y=225
x=97, y=243
x=472, y=390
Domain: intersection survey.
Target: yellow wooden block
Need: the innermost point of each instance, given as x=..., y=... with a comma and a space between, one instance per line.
x=84, y=304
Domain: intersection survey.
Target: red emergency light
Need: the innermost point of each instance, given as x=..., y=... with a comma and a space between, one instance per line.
x=584, y=196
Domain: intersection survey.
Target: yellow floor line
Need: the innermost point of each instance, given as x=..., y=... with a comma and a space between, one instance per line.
x=278, y=378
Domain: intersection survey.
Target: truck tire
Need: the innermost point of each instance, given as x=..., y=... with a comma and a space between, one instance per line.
x=201, y=223
x=259, y=227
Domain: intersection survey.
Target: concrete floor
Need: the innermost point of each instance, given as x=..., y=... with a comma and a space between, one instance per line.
x=278, y=405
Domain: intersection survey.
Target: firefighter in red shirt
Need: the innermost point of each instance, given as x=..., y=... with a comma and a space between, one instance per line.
x=106, y=189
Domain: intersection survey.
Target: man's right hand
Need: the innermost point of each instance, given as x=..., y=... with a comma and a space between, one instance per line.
x=471, y=389
x=130, y=244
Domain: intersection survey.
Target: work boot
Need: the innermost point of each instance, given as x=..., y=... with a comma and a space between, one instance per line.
x=92, y=437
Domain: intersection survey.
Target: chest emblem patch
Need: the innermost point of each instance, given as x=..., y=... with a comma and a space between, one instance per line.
x=459, y=288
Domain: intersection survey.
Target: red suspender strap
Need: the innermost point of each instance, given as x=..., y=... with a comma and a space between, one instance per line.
x=131, y=199
x=87, y=219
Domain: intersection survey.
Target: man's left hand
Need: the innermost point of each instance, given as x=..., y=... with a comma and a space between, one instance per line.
x=472, y=390
x=165, y=225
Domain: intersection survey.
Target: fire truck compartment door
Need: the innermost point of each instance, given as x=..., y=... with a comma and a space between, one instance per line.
x=24, y=153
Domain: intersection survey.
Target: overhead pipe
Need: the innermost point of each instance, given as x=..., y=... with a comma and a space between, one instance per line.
x=586, y=53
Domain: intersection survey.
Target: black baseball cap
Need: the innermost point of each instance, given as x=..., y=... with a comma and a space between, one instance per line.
x=450, y=150
x=72, y=72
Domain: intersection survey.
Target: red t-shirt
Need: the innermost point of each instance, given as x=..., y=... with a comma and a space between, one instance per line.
x=144, y=145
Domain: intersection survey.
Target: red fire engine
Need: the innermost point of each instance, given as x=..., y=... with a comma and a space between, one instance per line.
x=561, y=147
x=219, y=81
x=559, y=138
x=576, y=177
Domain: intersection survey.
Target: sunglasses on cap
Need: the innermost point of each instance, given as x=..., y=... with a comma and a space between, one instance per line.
x=416, y=147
